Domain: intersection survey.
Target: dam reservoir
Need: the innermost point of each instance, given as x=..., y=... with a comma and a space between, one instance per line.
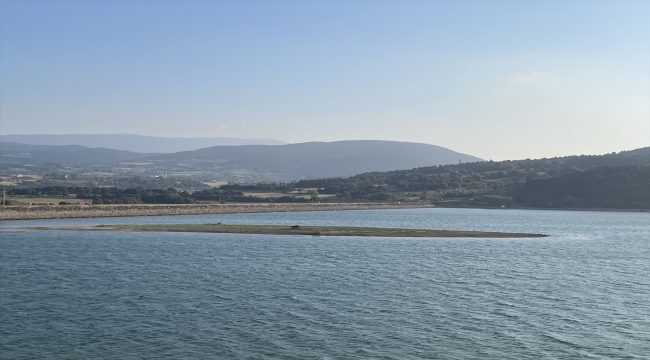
x=579, y=293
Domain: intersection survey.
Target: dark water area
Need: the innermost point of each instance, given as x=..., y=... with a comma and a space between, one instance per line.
x=581, y=293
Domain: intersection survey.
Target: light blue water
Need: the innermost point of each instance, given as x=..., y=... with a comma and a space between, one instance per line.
x=582, y=293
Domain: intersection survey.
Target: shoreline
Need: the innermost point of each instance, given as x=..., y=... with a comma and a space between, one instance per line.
x=35, y=212
x=533, y=208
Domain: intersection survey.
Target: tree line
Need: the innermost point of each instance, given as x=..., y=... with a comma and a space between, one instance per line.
x=139, y=195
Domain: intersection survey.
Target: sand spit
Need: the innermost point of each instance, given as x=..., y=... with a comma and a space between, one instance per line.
x=293, y=230
x=91, y=211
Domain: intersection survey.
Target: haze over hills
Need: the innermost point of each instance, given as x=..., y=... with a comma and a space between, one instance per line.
x=135, y=143
x=291, y=161
x=322, y=159
x=614, y=180
x=25, y=154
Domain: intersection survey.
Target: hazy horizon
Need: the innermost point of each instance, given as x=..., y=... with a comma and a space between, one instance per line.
x=497, y=80
x=281, y=142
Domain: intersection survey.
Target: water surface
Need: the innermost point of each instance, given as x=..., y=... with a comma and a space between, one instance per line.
x=581, y=293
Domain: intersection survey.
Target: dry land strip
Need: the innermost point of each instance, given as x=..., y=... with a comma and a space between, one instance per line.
x=91, y=211
x=294, y=230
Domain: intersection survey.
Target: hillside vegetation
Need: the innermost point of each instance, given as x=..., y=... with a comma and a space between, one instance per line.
x=605, y=187
x=616, y=179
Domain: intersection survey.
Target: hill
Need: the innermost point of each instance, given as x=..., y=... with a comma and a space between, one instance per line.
x=25, y=154
x=606, y=187
x=135, y=143
x=485, y=174
x=591, y=181
x=245, y=163
x=319, y=159
x=573, y=181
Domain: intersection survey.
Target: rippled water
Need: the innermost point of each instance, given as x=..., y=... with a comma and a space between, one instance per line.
x=582, y=293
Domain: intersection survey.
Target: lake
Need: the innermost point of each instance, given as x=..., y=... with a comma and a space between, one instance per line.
x=581, y=293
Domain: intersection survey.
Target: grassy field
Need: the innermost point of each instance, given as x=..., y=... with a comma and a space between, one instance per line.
x=294, y=230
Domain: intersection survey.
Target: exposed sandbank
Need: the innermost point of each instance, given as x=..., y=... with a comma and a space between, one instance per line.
x=293, y=230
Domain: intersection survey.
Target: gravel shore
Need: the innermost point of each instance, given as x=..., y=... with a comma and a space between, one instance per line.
x=90, y=211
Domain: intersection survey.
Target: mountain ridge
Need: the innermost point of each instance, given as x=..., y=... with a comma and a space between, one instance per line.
x=133, y=142
x=338, y=158
x=312, y=159
x=26, y=154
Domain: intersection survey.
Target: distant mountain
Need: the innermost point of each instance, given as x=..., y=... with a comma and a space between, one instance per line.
x=135, y=143
x=25, y=154
x=321, y=159
x=291, y=161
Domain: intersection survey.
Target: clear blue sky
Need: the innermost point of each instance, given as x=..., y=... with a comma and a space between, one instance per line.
x=500, y=80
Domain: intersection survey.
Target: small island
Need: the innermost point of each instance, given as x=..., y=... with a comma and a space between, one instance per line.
x=294, y=230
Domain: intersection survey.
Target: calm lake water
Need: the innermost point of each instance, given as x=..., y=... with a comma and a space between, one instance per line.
x=582, y=293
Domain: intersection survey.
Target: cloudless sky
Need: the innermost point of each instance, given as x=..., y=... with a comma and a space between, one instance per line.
x=494, y=79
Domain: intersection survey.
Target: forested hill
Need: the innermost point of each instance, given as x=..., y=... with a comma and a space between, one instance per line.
x=610, y=181
x=486, y=174
x=605, y=187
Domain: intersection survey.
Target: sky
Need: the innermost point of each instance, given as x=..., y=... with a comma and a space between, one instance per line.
x=494, y=79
